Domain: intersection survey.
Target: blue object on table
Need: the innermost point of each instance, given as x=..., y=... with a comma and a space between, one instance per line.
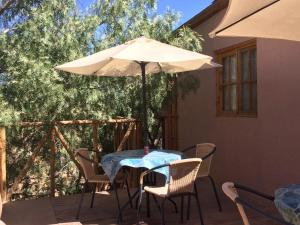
x=287, y=201
x=111, y=163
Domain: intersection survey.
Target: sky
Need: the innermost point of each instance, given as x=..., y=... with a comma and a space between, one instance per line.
x=188, y=8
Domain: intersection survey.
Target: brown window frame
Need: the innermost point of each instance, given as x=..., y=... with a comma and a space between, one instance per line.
x=235, y=50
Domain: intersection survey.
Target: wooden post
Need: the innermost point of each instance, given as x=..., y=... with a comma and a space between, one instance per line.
x=3, y=163
x=139, y=142
x=52, y=162
x=116, y=133
x=96, y=146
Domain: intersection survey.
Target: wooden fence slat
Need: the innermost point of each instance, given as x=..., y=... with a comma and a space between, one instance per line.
x=126, y=136
x=28, y=165
x=67, y=147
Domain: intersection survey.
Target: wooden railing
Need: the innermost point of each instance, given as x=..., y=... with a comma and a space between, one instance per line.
x=127, y=134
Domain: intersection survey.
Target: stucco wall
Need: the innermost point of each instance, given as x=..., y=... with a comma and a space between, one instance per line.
x=262, y=152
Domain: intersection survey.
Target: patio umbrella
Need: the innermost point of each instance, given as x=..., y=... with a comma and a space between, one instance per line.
x=278, y=19
x=140, y=56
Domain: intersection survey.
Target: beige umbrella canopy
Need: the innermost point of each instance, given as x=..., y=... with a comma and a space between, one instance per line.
x=124, y=60
x=140, y=56
x=278, y=19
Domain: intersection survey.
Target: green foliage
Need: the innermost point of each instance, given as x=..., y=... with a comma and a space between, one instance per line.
x=52, y=32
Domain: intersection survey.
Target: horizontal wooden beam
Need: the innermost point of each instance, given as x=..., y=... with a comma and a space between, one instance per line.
x=77, y=122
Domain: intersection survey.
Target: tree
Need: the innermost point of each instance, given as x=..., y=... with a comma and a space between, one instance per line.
x=14, y=11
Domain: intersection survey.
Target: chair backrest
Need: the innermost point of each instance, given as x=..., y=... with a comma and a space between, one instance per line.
x=83, y=157
x=182, y=175
x=231, y=192
x=203, y=150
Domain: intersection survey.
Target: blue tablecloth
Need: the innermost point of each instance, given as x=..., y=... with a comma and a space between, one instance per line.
x=111, y=163
x=287, y=201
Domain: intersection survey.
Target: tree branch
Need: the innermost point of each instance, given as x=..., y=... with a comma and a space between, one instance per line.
x=7, y=5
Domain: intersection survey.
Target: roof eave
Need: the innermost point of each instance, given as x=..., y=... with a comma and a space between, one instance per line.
x=205, y=14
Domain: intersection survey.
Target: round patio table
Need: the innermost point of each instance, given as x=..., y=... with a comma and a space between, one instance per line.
x=112, y=163
x=287, y=201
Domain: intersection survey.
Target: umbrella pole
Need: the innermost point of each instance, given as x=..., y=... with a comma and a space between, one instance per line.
x=144, y=91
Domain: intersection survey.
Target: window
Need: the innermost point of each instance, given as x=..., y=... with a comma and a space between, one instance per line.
x=236, y=81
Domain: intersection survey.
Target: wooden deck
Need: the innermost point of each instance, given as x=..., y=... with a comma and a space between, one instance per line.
x=47, y=211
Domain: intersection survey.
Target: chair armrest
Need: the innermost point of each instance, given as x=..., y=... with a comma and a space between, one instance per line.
x=150, y=171
x=243, y=202
x=252, y=191
x=238, y=200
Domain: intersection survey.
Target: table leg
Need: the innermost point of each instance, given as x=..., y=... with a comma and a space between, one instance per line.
x=118, y=202
x=125, y=205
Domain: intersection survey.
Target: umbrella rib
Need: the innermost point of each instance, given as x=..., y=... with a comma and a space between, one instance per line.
x=108, y=61
x=245, y=17
x=161, y=69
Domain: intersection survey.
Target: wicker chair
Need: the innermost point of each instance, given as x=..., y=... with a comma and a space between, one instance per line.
x=93, y=179
x=182, y=175
x=230, y=189
x=205, y=151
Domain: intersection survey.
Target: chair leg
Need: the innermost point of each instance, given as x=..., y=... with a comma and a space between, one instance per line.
x=189, y=202
x=128, y=193
x=139, y=206
x=156, y=202
x=136, y=203
x=93, y=195
x=198, y=204
x=188, y=208
x=81, y=200
x=148, y=204
x=120, y=218
x=181, y=208
x=162, y=207
x=174, y=203
x=216, y=193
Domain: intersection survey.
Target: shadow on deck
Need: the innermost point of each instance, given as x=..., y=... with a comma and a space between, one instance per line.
x=47, y=211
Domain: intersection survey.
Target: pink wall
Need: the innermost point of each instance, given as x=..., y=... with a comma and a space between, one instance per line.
x=262, y=152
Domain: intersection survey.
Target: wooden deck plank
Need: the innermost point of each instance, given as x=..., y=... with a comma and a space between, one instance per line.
x=63, y=209
x=29, y=212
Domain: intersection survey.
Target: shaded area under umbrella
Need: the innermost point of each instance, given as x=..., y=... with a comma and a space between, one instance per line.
x=140, y=56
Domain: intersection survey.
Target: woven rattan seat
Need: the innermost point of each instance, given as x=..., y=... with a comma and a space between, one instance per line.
x=160, y=191
x=98, y=178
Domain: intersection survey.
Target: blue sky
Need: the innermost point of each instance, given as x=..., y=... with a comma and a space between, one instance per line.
x=188, y=8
